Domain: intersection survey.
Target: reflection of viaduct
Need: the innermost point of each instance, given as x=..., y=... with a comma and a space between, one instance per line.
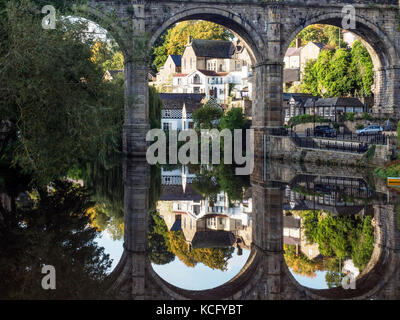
x=265, y=275
x=267, y=27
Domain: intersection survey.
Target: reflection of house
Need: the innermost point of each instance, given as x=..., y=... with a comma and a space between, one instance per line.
x=207, y=231
x=331, y=198
x=293, y=234
x=203, y=222
x=178, y=109
x=311, y=250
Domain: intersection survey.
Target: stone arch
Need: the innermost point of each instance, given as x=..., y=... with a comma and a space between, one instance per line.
x=380, y=46
x=232, y=21
x=106, y=19
x=381, y=49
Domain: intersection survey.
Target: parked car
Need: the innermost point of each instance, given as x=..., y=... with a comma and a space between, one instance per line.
x=373, y=129
x=325, y=131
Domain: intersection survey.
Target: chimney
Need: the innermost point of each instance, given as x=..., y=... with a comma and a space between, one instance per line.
x=298, y=43
x=189, y=39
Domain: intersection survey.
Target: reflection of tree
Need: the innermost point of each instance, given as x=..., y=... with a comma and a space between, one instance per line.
x=214, y=258
x=53, y=231
x=300, y=264
x=340, y=236
x=104, y=178
x=333, y=279
x=105, y=182
x=219, y=178
x=159, y=247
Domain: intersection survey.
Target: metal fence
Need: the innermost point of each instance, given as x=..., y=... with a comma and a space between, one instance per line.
x=377, y=138
x=334, y=145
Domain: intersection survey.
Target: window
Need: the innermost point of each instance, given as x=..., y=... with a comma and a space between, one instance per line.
x=221, y=91
x=167, y=113
x=196, y=79
x=167, y=126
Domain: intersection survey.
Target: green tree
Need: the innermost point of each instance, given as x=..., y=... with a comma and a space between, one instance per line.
x=321, y=33
x=234, y=119
x=53, y=94
x=155, y=107
x=340, y=72
x=159, y=246
x=108, y=56
x=361, y=69
x=340, y=236
x=207, y=117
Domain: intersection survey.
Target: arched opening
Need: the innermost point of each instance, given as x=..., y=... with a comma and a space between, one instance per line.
x=359, y=48
x=207, y=228
x=72, y=112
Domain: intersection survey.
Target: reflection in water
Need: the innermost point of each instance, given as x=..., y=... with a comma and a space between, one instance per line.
x=201, y=226
x=48, y=226
x=328, y=231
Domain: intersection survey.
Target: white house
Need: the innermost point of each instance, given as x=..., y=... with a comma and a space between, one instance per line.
x=178, y=109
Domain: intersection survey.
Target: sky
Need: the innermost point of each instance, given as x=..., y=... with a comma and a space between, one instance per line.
x=111, y=247
x=317, y=282
x=200, y=277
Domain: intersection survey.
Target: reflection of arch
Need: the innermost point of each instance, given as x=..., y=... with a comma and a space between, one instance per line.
x=265, y=274
x=226, y=18
x=227, y=290
x=380, y=270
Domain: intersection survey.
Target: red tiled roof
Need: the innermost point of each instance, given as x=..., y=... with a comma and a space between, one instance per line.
x=212, y=73
x=180, y=75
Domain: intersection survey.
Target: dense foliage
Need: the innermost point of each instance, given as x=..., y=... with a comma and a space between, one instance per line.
x=300, y=264
x=326, y=34
x=61, y=110
x=53, y=230
x=340, y=236
x=214, y=258
x=341, y=72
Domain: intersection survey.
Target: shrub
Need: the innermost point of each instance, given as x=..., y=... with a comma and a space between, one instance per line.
x=359, y=126
x=306, y=118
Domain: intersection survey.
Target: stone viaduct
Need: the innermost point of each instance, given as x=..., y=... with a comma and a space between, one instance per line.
x=267, y=27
